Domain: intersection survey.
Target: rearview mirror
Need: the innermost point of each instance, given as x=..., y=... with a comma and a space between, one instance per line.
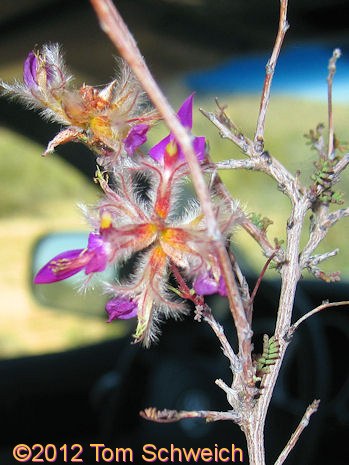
x=63, y=294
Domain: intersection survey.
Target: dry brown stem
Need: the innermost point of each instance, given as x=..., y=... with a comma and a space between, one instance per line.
x=331, y=71
x=261, y=237
x=258, y=234
x=318, y=309
x=301, y=202
x=219, y=332
x=171, y=416
x=228, y=130
x=260, y=277
x=269, y=74
x=319, y=232
x=265, y=163
x=312, y=408
x=114, y=26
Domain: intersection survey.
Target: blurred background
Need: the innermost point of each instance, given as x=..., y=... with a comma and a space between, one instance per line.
x=215, y=48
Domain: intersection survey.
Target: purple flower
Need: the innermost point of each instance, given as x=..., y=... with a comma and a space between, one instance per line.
x=40, y=71
x=92, y=259
x=168, y=149
x=136, y=137
x=121, y=308
x=205, y=284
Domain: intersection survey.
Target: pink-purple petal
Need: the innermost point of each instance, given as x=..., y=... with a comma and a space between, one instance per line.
x=205, y=284
x=30, y=71
x=61, y=267
x=136, y=137
x=121, y=308
x=95, y=241
x=222, y=288
x=66, y=264
x=98, y=261
x=199, y=145
x=157, y=152
x=185, y=113
x=96, y=254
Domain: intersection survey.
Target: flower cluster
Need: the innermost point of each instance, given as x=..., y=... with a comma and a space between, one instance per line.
x=100, y=117
x=139, y=218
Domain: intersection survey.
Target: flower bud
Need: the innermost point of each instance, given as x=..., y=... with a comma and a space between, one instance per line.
x=121, y=308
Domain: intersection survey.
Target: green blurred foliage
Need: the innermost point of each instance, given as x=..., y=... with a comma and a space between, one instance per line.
x=29, y=183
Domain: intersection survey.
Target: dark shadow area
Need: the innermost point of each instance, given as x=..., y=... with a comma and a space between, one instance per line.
x=94, y=394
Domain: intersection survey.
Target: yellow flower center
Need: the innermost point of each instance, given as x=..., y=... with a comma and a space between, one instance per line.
x=171, y=149
x=106, y=221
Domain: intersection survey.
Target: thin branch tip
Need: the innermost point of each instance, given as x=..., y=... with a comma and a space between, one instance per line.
x=312, y=408
x=325, y=304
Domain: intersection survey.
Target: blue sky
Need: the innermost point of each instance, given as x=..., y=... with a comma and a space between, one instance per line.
x=301, y=71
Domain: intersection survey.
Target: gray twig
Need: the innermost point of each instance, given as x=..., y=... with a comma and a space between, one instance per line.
x=312, y=408
x=235, y=363
x=171, y=416
x=269, y=74
x=318, y=309
x=331, y=72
